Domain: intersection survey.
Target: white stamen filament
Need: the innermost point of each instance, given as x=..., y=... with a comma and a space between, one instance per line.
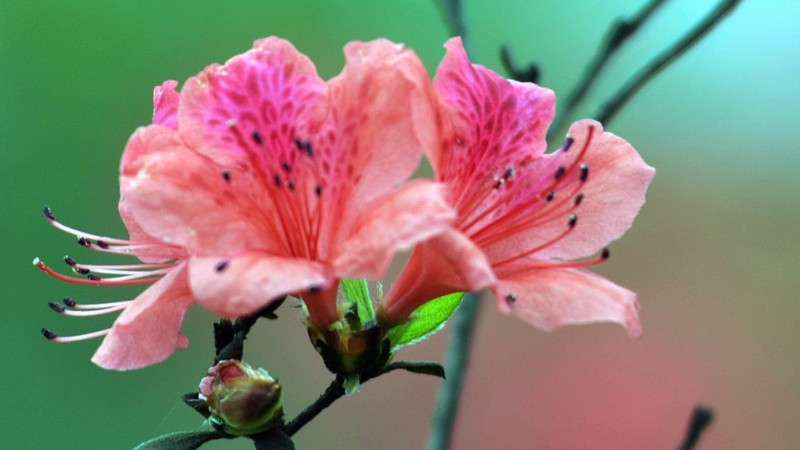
x=81, y=337
x=78, y=233
x=93, y=312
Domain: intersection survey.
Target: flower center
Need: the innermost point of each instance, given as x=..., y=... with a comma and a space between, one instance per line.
x=511, y=204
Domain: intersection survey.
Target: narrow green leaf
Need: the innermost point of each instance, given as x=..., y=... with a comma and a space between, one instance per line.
x=181, y=440
x=426, y=321
x=421, y=367
x=357, y=291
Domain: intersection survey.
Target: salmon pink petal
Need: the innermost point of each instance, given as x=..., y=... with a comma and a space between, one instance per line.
x=380, y=117
x=144, y=141
x=399, y=220
x=149, y=330
x=179, y=198
x=497, y=123
x=245, y=284
x=550, y=298
x=447, y=263
x=149, y=249
x=254, y=107
x=602, y=186
x=165, y=104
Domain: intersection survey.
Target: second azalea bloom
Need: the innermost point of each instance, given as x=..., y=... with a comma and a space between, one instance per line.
x=277, y=182
x=529, y=222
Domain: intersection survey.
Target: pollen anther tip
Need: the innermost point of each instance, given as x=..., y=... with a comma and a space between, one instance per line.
x=56, y=307
x=49, y=335
x=48, y=213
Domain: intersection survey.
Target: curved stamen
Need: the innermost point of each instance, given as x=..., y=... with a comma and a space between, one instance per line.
x=53, y=337
x=48, y=214
x=122, y=268
x=70, y=302
x=513, y=216
x=95, y=280
x=132, y=248
x=604, y=255
x=573, y=220
x=87, y=312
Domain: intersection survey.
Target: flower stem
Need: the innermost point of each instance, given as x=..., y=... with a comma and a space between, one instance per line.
x=660, y=62
x=617, y=34
x=456, y=360
x=702, y=417
x=334, y=391
x=452, y=14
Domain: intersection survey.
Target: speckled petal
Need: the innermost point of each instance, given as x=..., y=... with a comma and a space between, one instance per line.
x=551, y=298
x=243, y=285
x=498, y=123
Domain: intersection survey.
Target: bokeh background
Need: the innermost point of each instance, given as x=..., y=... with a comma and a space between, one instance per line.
x=713, y=254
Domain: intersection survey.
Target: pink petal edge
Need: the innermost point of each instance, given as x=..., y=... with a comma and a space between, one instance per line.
x=449, y=262
x=149, y=330
x=395, y=222
x=243, y=285
x=551, y=298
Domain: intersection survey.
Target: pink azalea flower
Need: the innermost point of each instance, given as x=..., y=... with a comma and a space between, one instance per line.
x=261, y=180
x=524, y=216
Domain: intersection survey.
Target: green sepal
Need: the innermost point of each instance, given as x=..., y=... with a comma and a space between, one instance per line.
x=181, y=440
x=351, y=383
x=193, y=400
x=357, y=291
x=426, y=321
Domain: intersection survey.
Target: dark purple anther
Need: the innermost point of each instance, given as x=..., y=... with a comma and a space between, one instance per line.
x=48, y=213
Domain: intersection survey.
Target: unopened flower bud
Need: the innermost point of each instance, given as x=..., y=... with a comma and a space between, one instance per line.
x=241, y=400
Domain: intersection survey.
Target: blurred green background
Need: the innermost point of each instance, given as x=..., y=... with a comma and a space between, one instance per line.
x=713, y=255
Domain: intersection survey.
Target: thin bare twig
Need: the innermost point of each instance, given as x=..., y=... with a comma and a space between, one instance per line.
x=702, y=417
x=660, y=62
x=617, y=34
x=456, y=361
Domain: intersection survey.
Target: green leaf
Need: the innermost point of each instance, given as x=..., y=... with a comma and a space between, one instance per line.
x=426, y=321
x=181, y=440
x=274, y=439
x=357, y=291
x=421, y=367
